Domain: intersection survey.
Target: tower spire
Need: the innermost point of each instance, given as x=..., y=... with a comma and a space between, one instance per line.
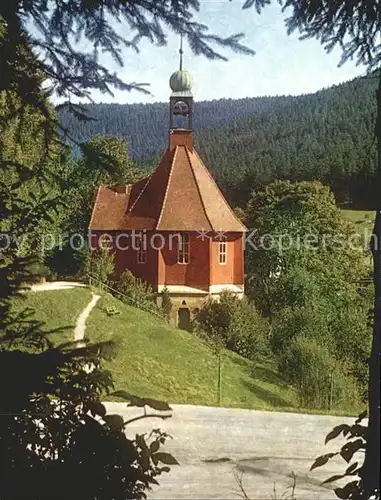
x=181, y=52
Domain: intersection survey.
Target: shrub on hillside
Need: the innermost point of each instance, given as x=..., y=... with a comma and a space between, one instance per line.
x=352, y=338
x=235, y=323
x=100, y=264
x=344, y=332
x=66, y=263
x=136, y=291
x=166, y=303
x=321, y=380
x=310, y=321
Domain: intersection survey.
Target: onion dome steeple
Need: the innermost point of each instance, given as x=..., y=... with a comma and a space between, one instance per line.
x=181, y=80
x=181, y=100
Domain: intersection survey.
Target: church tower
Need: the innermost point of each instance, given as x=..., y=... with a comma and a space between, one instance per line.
x=181, y=99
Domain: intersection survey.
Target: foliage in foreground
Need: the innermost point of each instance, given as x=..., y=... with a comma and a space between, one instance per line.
x=356, y=438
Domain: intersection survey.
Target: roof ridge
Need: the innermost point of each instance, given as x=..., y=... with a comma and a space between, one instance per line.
x=139, y=195
x=94, y=206
x=198, y=189
x=167, y=188
x=219, y=190
x=145, y=185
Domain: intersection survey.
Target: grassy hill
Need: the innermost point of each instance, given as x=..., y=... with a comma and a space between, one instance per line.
x=158, y=361
x=58, y=310
x=155, y=360
x=363, y=219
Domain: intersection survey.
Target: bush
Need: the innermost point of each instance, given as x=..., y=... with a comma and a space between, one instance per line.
x=311, y=321
x=235, y=323
x=40, y=271
x=352, y=341
x=65, y=262
x=166, y=303
x=139, y=292
x=100, y=264
x=344, y=332
x=318, y=376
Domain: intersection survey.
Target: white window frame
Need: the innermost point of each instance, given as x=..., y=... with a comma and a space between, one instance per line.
x=141, y=255
x=183, y=254
x=222, y=252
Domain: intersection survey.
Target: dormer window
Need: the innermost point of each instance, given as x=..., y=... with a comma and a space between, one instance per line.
x=183, y=254
x=222, y=252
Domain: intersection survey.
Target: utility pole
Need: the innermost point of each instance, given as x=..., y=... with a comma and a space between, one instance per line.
x=219, y=354
x=330, y=391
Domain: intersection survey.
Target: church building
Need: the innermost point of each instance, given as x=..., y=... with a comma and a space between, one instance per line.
x=174, y=229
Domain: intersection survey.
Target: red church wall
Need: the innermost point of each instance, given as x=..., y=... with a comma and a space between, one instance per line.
x=239, y=260
x=194, y=274
x=126, y=256
x=127, y=259
x=162, y=266
x=232, y=271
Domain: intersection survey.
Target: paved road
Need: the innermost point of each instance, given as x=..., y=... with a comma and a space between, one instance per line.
x=212, y=443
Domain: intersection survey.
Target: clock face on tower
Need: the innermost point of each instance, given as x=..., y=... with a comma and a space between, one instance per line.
x=181, y=108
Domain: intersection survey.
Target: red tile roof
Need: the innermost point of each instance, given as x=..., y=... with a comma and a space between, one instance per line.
x=180, y=195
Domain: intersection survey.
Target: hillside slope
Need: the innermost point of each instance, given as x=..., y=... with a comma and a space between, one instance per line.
x=56, y=309
x=144, y=125
x=326, y=136
x=158, y=361
x=153, y=359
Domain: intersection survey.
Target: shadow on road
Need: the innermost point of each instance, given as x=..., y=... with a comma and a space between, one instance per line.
x=280, y=468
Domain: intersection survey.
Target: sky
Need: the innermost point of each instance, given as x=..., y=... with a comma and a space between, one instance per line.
x=282, y=65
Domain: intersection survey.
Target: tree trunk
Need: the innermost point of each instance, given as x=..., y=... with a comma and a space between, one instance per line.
x=371, y=467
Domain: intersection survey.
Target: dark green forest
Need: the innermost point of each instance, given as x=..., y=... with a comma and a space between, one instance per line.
x=144, y=126
x=248, y=143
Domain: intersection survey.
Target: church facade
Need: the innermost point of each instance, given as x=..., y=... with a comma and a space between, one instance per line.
x=174, y=229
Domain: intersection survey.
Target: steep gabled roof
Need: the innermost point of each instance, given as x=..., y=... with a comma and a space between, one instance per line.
x=180, y=195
